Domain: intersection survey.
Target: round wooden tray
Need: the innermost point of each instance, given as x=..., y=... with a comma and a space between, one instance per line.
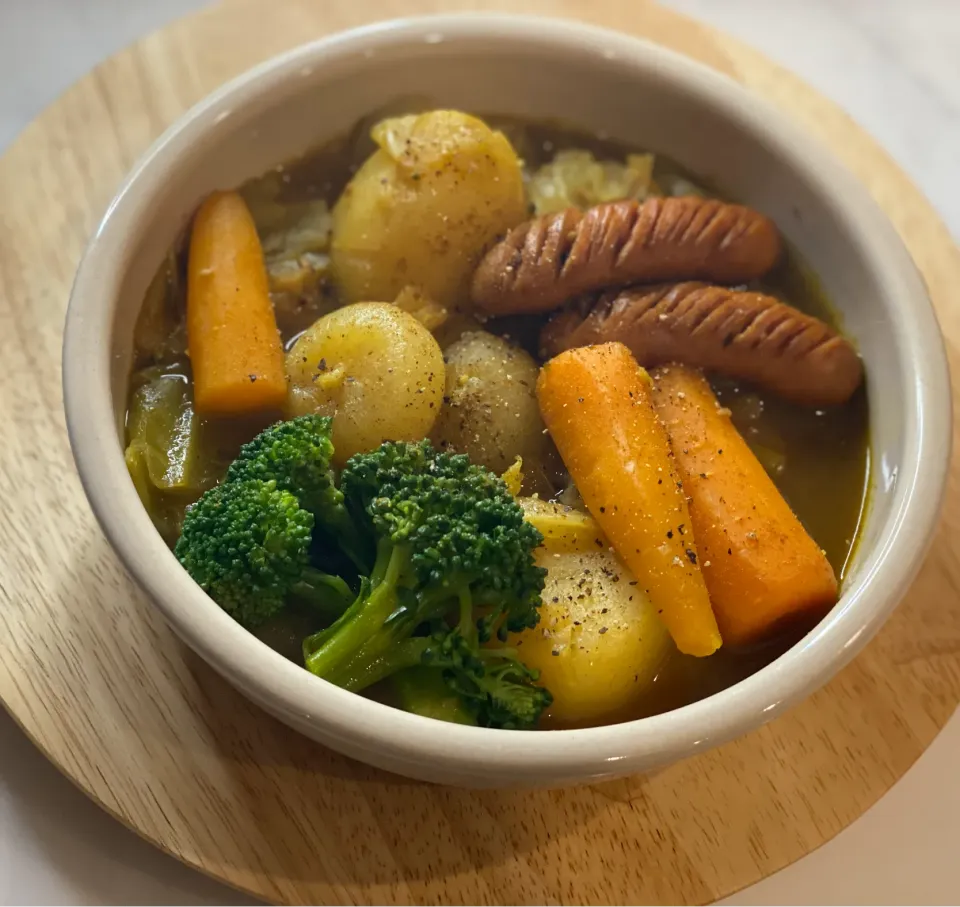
x=95, y=678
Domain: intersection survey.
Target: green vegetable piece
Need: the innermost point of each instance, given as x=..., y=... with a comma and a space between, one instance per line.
x=297, y=455
x=424, y=691
x=171, y=456
x=247, y=544
x=450, y=539
x=163, y=427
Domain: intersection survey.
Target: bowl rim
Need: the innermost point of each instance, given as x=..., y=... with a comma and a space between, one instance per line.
x=365, y=725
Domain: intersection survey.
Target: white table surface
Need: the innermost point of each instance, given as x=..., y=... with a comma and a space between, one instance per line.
x=894, y=65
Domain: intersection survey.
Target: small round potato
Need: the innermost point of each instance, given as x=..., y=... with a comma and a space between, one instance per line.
x=599, y=644
x=423, y=208
x=374, y=368
x=491, y=411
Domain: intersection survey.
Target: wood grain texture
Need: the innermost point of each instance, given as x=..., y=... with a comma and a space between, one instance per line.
x=96, y=679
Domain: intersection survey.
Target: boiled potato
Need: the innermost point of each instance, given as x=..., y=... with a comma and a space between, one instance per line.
x=373, y=367
x=491, y=411
x=599, y=644
x=563, y=528
x=422, y=209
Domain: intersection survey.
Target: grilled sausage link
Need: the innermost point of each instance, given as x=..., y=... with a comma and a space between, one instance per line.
x=745, y=335
x=551, y=259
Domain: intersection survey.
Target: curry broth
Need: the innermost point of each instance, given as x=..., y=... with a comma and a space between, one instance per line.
x=819, y=459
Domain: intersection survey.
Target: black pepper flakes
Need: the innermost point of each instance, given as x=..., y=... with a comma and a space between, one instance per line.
x=692, y=556
x=602, y=630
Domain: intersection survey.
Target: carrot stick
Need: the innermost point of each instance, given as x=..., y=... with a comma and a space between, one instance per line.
x=596, y=402
x=760, y=564
x=235, y=349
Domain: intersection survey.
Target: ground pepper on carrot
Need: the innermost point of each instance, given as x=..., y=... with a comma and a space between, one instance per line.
x=235, y=350
x=761, y=566
x=597, y=404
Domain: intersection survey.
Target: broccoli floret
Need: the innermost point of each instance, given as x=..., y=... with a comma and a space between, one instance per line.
x=246, y=544
x=454, y=568
x=424, y=691
x=297, y=456
x=493, y=684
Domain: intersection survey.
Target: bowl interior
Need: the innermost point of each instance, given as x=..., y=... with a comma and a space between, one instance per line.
x=598, y=81
x=326, y=97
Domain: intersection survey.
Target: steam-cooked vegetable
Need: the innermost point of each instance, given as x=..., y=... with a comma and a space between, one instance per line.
x=491, y=411
x=235, y=348
x=247, y=544
x=760, y=565
x=421, y=210
x=295, y=234
x=298, y=264
x=375, y=369
x=576, y=179
x=423, y=691
x=597, y=404
x=297, y=455
x=454, y=569
x=513, y=476
x=564, y=528
x=599, y=643
x=170, y=457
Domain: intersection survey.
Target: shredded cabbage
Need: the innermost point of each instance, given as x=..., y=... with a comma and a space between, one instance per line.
x=577, y=179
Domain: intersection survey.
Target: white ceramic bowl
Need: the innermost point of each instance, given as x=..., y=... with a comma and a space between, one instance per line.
x=608, y=83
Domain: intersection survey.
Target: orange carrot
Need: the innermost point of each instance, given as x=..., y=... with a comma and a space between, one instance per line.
x=596, y=402
x=235, y=348
x=761, y=566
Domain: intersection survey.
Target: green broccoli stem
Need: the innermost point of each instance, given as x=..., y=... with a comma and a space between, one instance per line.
x=328, y=651
x=372, y=664
x=330, y=595
x=393, y=649
x=424, y=691
x=388, y=652
x=348, y=539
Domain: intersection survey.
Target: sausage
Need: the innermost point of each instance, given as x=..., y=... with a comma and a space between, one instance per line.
x=545, y=262
x=745, y=335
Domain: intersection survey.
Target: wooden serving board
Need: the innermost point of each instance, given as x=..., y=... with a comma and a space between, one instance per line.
x=95, y=678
